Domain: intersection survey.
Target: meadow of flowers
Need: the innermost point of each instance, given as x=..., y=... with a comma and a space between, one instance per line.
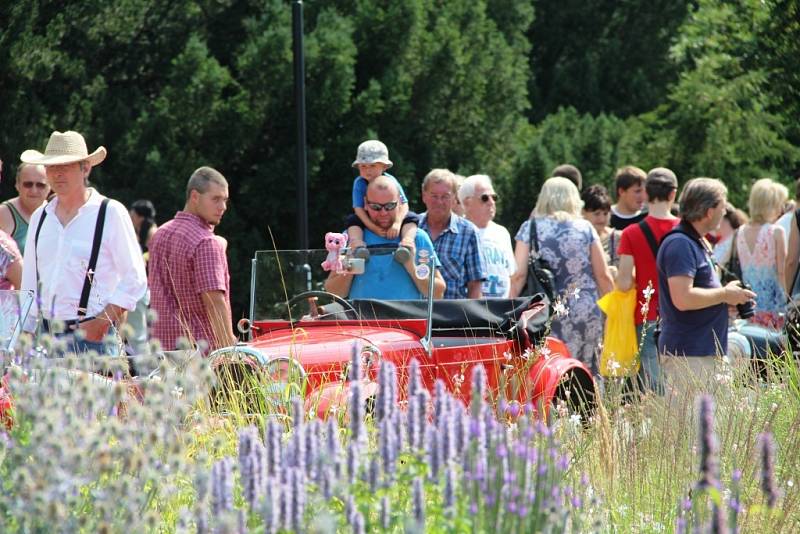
x=91, y=453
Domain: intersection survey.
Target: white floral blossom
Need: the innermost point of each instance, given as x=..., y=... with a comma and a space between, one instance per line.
x=545, y=352
x=648, y=291
x=560, y=309
x=576, y=293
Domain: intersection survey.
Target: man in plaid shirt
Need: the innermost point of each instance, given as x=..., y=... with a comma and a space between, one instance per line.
x=189, y=280
x=455, y=239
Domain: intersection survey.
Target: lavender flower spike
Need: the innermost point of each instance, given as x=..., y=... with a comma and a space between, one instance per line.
x=709, y=463
x=419, y=504
x=766, y=447
x=355, y=363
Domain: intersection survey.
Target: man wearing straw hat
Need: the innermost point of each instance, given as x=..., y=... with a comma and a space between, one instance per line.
x=81, y=256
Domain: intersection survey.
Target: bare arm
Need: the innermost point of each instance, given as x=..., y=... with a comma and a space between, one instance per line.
x=474, y=289
x=625, y=272
x=780, y=258
x=7, y=221
x=219, y=316
x=792, y=255
x=14, y=274
x=520, y=276
x=339, y=283
x=439, y=284
x=97, y=328
x=686, y=297
x=600, y=268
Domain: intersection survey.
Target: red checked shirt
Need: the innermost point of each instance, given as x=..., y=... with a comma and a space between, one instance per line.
x=186, y=260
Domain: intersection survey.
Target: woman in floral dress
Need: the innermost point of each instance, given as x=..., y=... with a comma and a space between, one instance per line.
x=761, y=249
x=572, y=248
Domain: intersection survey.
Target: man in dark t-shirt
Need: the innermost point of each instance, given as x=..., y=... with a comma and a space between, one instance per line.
x=629, y=189
x=692, y=303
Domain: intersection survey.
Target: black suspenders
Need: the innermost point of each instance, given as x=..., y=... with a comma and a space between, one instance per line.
x=89, y=278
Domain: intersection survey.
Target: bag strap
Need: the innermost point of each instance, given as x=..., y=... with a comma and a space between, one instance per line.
x=89, y=278
x=650, y=237
x=533, y=239
x=734, y=255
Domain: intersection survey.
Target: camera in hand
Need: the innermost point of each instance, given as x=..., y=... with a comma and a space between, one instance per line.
x=747, y=309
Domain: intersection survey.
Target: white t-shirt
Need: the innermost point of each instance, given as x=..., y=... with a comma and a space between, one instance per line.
x=500, y=262
x=785, y=221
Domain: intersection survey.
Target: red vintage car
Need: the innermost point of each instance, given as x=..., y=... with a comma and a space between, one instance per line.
x=302, y=339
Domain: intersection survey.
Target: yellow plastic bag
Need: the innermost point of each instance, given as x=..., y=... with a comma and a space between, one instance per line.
x=620, y=355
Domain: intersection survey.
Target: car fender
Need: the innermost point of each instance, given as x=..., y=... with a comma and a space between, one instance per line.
x=332, y=398
x=555, y=368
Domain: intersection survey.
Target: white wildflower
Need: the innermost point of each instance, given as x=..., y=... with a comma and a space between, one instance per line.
x=648, y=291
x=576, y=293
x=560, y=309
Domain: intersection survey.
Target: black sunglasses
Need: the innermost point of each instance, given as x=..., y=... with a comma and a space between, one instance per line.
x=486, y=196
x=38, y=185
x=374, y=206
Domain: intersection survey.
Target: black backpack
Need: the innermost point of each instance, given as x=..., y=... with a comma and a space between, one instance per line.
x=540, y=275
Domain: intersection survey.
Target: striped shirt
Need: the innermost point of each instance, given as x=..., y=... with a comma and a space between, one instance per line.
x=460, y=254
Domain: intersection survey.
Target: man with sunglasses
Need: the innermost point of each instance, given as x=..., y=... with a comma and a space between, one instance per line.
x=389, y=277
x=15, y=213
x=479, y=199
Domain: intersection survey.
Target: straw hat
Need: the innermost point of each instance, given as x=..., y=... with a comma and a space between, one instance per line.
x=62, y=148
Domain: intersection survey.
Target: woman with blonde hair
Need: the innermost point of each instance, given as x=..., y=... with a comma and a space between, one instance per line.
x=572, y=248
x=761, y=249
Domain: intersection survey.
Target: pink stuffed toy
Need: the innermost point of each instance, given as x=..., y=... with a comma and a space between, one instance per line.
x=334, y=243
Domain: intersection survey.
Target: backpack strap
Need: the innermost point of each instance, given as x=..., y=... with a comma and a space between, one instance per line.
x=650, y=237
x=88, y=280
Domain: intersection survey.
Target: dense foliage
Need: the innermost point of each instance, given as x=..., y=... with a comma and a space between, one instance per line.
x=503, y=87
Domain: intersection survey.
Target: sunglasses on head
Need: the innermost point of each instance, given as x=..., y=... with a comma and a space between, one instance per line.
x=374, y=206
x=37, y=185
x=486, y=196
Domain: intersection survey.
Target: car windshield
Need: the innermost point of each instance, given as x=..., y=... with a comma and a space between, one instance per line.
x=290, y=285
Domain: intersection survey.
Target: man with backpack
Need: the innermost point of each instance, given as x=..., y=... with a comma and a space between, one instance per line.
x=638, y=249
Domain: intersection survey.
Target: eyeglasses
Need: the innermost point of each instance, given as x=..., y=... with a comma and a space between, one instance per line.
x=374, y=206
x=486, y=196
x=38, y=185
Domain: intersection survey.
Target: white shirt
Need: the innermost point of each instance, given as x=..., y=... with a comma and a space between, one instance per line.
x=63, y=258
x=786, y=221
x=500, y=262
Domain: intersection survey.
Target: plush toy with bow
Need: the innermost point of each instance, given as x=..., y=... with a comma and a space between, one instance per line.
x=334, y=243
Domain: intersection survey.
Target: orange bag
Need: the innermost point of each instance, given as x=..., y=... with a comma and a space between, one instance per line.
x=620, y=356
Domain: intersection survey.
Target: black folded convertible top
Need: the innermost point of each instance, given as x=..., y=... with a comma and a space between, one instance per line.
x=453, y=314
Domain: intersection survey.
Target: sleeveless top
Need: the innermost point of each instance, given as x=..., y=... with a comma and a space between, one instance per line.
x=20, y=226
x=760, y=271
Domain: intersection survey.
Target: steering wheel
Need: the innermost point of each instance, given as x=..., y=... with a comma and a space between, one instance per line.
x=315, y=311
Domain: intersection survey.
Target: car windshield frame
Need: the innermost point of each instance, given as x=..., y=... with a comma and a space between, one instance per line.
x=278, y=276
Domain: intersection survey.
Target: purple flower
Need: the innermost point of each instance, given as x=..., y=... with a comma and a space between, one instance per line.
x=358, y=523
x=450, y=489
x=298, y=493
x=418, y=499
x=385, y=513
x=387, y=392
x=447, y=436
x=473, y=508
x=222, y=486
x=388, y=444
x=312, y=448
x=272, y=443
x=709, y=463
x=434, y=452
x=374, y=472
x=478, y=386
x=736, y=476
x=271, y=506
x=440, y=398
x=766, y=447
x=352, y=461
x=357, y=432
x=355, y=363
x=414, y=379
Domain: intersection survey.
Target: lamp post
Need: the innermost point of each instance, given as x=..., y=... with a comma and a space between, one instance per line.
x=300, y=107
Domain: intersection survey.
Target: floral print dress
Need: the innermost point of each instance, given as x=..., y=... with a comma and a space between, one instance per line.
x=760, y=272
x=565, y=245
x=9, y=253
